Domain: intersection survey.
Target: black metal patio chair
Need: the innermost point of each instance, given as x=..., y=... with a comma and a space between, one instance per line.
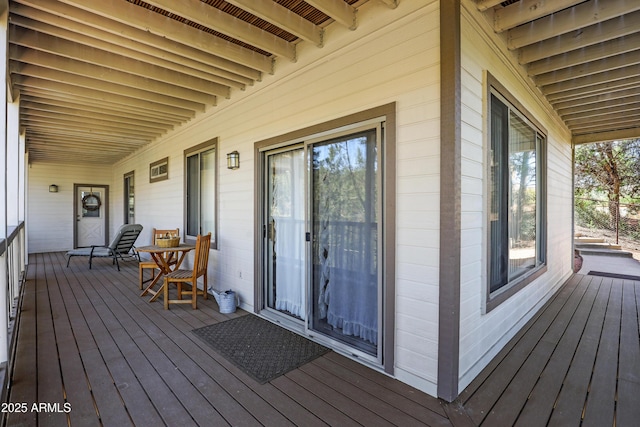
x=121, y=246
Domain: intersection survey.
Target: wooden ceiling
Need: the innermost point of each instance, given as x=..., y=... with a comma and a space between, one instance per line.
x=98, y=79
x=584, y=56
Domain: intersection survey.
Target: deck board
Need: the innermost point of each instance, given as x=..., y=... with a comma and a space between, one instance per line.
x=600, y=405
x=571, y=399
x=540, y=402
x=562, y=368
x=86, y=337
x=627, y=408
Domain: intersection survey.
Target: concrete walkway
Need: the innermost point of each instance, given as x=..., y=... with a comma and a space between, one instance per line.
x=610, y=264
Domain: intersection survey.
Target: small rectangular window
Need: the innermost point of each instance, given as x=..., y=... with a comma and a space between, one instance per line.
x=159, y=170
x=201, y=191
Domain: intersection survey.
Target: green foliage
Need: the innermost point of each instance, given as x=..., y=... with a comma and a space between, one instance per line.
x=588, y=215
x=612, y=168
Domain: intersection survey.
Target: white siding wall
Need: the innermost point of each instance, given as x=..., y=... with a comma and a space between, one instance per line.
x=393, y=56
x=482, y=335
x=50, y=218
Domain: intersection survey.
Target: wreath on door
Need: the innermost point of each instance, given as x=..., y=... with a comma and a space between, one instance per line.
x=91, y=202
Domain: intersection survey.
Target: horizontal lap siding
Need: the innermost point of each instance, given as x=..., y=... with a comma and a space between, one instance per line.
x=393, y=56
x=50, y=219
x=483, y=334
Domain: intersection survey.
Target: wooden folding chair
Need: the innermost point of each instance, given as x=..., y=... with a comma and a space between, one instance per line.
x=150, y=264
x=180, y=276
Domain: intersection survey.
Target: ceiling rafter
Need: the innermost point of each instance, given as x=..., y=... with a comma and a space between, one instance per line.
x=40, y=64
x=212, y=18
x=341, y=12
x=112, y=76
x=584, y=56
x=107, y=42
x=284, y=18
x=571, y=19
x=239, y=59
x=70, y=50
x=526, y=11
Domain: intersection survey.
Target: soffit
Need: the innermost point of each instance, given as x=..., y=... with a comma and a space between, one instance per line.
x=98, y=79
x=584, y=56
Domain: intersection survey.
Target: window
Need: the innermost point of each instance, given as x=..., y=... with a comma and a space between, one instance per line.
x=201, y=191
x=159, y=170
x=129, y=198
x=517, y=220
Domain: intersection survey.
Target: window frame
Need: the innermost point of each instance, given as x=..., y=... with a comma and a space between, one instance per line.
x=211, y=144
x=129, y=176
x=511, y=287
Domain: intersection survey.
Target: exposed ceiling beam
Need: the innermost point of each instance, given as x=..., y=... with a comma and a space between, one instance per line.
x=145, y=26
x=50, y=64
x=85, y=35
x=589, y=68
x=391, y=3
x=588, y=115
x=217, y=20
x=596, y=89
x=340, y=11
x=587, y=36
x=615, y=135
x=483, y=5
x=525, y=11
x=89, y=120
x=587, y=81
x=611, y=116
x=282, y=17
x=596, y=52
x=86, y=112
x=96, y=84
x=52, y=100
x=100, y=95
x=573, y=19
x=71, y=50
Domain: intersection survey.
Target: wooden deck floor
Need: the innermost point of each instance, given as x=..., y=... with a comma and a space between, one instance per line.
x=577, y=363
x=87, y=339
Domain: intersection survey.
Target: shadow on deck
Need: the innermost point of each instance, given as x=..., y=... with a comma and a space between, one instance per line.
x=86, y=338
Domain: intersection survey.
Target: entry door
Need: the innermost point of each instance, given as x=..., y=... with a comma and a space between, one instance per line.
x=91, y=222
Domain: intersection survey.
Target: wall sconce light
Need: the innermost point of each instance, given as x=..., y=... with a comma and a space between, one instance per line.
x=53, y=188
x=233, y=160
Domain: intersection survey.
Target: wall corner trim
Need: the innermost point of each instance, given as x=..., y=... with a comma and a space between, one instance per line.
x=450, y=200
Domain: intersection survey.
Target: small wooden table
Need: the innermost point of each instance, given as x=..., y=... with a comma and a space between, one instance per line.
x=162, y=257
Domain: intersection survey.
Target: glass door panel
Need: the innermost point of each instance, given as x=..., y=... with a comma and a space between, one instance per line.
x=345, y=254
x=285, y=233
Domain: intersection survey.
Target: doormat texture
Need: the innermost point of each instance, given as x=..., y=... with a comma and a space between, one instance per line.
x=258, y=347
x=613, y=275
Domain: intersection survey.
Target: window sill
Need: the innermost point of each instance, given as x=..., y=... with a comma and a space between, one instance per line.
x=508, y=290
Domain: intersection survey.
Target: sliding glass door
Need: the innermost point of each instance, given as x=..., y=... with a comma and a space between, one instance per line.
x=285, y=232
x=321, y=229
x=345, y=277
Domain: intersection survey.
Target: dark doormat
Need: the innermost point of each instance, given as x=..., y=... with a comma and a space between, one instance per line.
x=258, y=347
x=613, y=275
